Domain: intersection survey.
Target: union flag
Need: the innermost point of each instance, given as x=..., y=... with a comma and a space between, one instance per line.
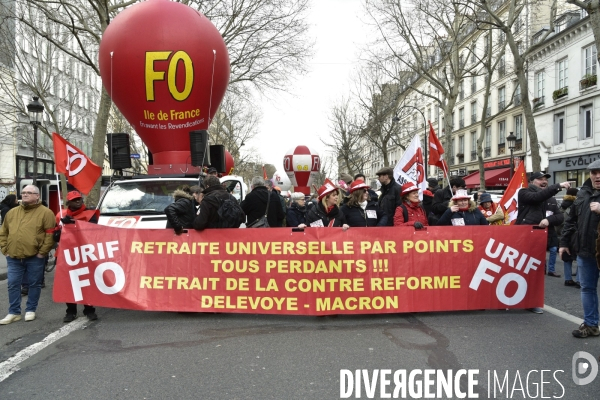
x=80, y=171
x=509, y=202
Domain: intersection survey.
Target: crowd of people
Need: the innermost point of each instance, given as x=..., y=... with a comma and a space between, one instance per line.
x=29, y=230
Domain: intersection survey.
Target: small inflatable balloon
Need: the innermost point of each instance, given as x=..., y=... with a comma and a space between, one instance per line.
x=281, y=179
x=302, y=166
x=166, y=68
x=229, y=163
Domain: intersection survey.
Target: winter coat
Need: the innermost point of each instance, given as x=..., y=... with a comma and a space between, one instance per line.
x=27, y=231
x=208, y=216
x=441, y=199
x=295, y=215
x=335, y=217
x=565, y=206
x=182, y=212
x=388, y=201
x=581, y=225
x=255, y=205
x=356, y=216
x=4, y=208
x=536, y=204
x=471, y=217
x=81, y=214
x=415, y=212
x=495, y=215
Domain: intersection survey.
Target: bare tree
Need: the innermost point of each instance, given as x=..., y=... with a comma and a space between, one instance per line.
x=266, y=41
x=344, y=138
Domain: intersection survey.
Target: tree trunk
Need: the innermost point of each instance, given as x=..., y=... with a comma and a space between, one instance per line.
x=98, y=144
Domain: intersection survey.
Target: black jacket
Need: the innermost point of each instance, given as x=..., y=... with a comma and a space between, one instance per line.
x=471, y=217
x=181, y=213
x=4, y=208
x=536, y=204
x=295, y=215
x=318, y=212
x=581, y=224
x=214, y=196
x=388, y=201
x=441, y=199
x=255, y=205
x=565, y=207
x=356, y=216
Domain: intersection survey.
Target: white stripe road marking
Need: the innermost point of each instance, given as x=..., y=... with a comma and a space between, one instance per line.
x=562, y=314
x=8, y=367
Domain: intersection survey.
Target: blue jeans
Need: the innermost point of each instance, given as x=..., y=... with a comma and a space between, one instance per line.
x=568, y=269
x=552, y=259
x=589, y=284
x=34, y=267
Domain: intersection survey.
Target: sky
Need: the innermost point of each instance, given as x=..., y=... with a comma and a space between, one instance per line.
x=301, y=117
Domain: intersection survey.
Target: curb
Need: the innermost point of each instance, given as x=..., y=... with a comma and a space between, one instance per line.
x=3, y=276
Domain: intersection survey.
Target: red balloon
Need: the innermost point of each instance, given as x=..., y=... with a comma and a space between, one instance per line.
x=302, y=166
x=229, y=163
x=166, y=68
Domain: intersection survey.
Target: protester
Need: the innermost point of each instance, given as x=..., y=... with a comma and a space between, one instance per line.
x=477, y=195
x=410, y=212
x=296, y=214
x=255, y=204
x=181, y=213
x=428, y=195
x=277, y=190
x=433, y=185
x=214, y=195
x=462, y=211
x=490, y=210
x=197, y=194
x=212, y=171
x=26, y=240
x=390, y=195
x=327, y=212
x=537, y=206
x=581, y=231
x=569, y=257
x=372, y=194
x=359, y=210
x=7, y=204
x=76, y=211
x=442, y=198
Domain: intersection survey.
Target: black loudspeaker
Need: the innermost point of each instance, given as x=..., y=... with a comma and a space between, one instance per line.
x=199, y=148
x=118, y=150
x=217, y=157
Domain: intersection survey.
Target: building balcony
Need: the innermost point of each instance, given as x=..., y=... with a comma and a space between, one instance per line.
x=560, y=93
x=587, y=81
x=517, y=101
x=473, y=155
x=501, y=105
x=538, y=102
x=487, y=152
x=501, y=148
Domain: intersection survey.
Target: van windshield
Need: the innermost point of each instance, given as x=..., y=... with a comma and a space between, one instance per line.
x=140, y=198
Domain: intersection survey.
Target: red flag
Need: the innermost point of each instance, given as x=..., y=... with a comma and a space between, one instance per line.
x=509, y=200
x=80, y=171
x=264, y=173
x=436, y=151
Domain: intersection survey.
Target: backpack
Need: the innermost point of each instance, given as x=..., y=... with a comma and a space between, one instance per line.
x=230, y=213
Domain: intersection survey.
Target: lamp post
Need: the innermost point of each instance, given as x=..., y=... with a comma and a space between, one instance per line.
x=35, y=110
x=396, y=119
x=511, y=140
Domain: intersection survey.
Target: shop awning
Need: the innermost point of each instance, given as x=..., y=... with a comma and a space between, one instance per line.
x=493, y=177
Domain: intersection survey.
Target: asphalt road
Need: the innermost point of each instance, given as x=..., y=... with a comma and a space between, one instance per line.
x=158, y=355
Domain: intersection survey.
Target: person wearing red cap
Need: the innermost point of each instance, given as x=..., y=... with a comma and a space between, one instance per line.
x=327, y=212
x=410, y=212
x=76, y=211
x=359, y=210
x=462, y=211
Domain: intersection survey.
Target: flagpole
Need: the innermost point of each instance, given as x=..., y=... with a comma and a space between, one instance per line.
x=59, y=198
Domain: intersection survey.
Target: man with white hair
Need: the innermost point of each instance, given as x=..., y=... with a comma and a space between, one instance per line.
x=26, y=240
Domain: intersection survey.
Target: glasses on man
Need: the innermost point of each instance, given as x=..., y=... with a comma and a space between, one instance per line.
x=28, y=193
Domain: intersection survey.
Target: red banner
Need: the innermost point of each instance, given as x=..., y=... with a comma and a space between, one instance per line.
x=317, y=272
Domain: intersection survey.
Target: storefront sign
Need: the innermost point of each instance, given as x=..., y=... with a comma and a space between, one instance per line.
x=497, y=163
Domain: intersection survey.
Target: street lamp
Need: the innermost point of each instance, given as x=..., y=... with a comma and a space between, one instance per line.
x=35, y=109
x=511, y=140
x=396, y=119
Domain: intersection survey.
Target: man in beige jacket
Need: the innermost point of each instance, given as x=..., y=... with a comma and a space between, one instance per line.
x=25, y=240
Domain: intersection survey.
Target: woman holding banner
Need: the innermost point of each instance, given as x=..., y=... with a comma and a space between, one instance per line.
x=359, y=210
x=410, y=212
x=462, y=211
x=327, y=211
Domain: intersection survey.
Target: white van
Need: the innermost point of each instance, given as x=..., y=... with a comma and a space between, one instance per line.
x=140, y=203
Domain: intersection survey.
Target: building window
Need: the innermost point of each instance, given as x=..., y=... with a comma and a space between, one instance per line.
x=586, y=122
x=562, y=68
x=473, y=112
x=501, y=67
x=559, y=128
x=461, y=145
x=501, y=98
x=488, y=142
x=461, y=117
x=473, y=146
x=501, y=131
x=589, y=60
x=539, y=85
x=519, y=126
x=473, y=84
x=461, y=90
x=473, y=53
x=517, y=95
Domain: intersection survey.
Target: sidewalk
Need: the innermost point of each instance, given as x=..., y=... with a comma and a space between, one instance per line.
x=3, y=267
